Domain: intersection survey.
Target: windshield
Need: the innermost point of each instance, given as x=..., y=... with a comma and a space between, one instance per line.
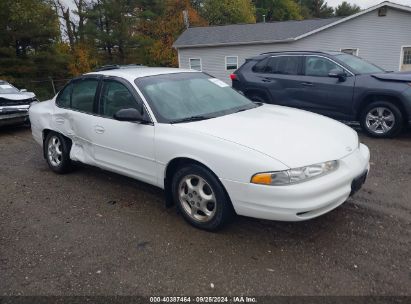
x=359, y=65
x=6, y=88
x=190, y=96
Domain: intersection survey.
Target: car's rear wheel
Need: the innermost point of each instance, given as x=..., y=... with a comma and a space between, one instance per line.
x=57, y=152
x=382, y=119
x=201, y=198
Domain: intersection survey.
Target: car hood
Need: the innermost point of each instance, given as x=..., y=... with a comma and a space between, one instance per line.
x=294, y=137
x=18, y=96
x=397, y=76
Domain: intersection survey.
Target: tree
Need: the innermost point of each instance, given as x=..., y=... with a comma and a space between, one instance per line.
x=277, y=10
x=27, y=25
x=63, y=12
x=346, y=9
x=318, y=8
x=111, y=28
x=159, y=34
x=221, y=12
x=29, y=33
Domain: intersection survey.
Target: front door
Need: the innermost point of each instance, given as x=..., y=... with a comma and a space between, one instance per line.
x=324, y=94
x=121, y=146
x=406, y=59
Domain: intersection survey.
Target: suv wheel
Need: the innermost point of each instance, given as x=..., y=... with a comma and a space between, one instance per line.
x=201, y=198
x=382, y=119
x=57, y=152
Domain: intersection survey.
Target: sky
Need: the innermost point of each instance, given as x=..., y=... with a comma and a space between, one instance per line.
x=366, y=3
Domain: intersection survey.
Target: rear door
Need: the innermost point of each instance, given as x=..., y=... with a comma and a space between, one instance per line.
x=279, y=76
x=76, y=106
x=323, y=94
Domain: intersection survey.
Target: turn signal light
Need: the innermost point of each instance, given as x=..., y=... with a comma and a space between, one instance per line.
x=262, y=178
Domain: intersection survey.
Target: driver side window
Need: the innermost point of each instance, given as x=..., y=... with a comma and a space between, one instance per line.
x=114, y=97
x=319, y=66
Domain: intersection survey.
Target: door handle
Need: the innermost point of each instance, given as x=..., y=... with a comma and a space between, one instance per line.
x=59, y=120
x=99, y=129
x=307, y=84
x=267, y=80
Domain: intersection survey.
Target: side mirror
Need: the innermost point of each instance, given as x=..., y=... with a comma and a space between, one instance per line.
x=337, y=73
x=23, y=90
x=131, y=115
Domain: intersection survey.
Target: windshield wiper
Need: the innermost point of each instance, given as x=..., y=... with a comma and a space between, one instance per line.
x=191, y=118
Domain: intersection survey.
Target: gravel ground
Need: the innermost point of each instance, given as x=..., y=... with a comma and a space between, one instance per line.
x=92, y=232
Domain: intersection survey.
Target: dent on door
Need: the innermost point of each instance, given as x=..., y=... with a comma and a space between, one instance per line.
x=75, y=126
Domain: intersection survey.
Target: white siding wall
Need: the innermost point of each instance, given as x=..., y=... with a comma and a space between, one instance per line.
x=379, y=40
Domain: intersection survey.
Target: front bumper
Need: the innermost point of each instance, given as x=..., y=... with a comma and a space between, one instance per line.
x=14, y=118
x=301, y=201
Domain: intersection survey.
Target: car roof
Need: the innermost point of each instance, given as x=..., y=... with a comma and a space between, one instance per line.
x=132, y=73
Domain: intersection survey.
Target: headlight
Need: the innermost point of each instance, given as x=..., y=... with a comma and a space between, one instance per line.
x=293, y=176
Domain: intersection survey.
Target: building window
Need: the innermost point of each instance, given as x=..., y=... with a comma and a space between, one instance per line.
x=407, y=56
x=231, y=63
x=350, y=51
x=195, y=64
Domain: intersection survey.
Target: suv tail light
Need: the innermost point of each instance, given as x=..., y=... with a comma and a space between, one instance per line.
x=233, y=77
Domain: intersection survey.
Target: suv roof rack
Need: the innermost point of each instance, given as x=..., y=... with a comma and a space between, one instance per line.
x=329, y=52
x=117, y=66
x=276, y=52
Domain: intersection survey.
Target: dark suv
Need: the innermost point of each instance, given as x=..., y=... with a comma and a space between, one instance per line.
x=334, y=84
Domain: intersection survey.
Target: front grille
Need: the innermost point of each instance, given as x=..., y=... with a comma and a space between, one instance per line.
x=8, y=102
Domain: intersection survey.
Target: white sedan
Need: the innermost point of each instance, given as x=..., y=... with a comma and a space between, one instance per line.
x=213, y=151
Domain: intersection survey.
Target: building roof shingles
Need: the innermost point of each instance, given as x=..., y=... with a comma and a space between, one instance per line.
x=249, y=33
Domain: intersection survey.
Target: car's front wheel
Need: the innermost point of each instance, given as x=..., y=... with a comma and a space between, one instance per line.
x=201, y=198
x=57, y=152
x=382, y=119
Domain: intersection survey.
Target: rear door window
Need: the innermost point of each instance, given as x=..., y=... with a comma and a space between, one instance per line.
x=83, y=95
x=285, y=65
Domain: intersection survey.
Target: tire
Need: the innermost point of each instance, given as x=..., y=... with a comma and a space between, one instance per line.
x=57, y=153
x=206, y=207
x=382, y=119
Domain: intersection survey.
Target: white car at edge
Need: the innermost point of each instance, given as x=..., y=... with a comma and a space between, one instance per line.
x=214, y=152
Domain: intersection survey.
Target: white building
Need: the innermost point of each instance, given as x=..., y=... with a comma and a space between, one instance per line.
x=380, y=34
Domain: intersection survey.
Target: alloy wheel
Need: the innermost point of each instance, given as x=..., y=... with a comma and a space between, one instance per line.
x=380, y=120
x=197, y=198
x=54, y=151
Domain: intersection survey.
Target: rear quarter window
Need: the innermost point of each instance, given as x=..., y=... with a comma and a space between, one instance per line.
x=260, y=66
x=64, y=97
